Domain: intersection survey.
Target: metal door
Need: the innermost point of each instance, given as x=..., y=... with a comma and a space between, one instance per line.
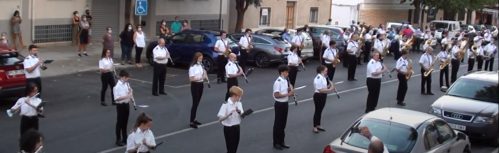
x=105, y=13
x=290, y=15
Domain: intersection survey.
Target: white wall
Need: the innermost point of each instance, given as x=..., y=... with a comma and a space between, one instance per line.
x=347, y=2
x=190, y=7
x=7, y=8
x=344, y=14
x=49, y=9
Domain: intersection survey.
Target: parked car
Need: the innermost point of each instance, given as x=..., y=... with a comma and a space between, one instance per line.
x=471, y=105
x=308, y=48
x=182, y=47
x=12, y=78
x=402, y=131
x=316, y=32
x=267, y=49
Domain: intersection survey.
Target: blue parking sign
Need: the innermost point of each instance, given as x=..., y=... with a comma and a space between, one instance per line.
x=141, y=7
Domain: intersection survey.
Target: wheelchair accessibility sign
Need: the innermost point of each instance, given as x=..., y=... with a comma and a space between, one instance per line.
x=141, y=7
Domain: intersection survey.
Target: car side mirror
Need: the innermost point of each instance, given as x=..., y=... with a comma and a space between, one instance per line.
x=461, y=136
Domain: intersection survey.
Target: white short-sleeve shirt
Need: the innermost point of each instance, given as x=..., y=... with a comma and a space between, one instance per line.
x=297, y=39
x=325, y=40
x=454, y=51
x=353, y=46
x=330, y=54
x=120, y=90
x=159, y=51
x=231, y=68
x=402, y=64
x=25, y=109
x=244, y=41
x=293, y=58
x=226, y=108
x=426, y=60
x=374, y=66
x=29, y=62
x=106, y=63
x=443, y=55
x=281, y=86
x=136, y=138
x=197, y=72
x=320, y=82
x=221, y=45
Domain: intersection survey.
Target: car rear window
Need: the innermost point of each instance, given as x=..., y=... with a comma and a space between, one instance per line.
x=475, y=89
x=397, y=138
x=230, y=40
x=8, y=59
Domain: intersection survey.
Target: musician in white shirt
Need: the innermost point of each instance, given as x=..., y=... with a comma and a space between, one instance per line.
x=380, y=45
x=330, y=55
x=197, y=75
x=122, y=97
x=471, y=57
x=244, y=43
x=352, y=49
x=281, y=92
x=220, y=47
x=230, y=115
x=487, y=36
x=444, y=40
x=477, y=40
x=28, y=107
x=454, y=61
x=322, y=86
x=297, y=41
x=32, y=65
x=368, y=45
x=141, y=138
x=489, y=54
x=425, y=63
x=444, y=56
x=402, y=67
x=160, y=57
x=293, y=62
x=375, y=69
x=480, y=56
x=31, y=142
x=232, y=70
x=106, y=68
x=325, y=39
x=346, y=37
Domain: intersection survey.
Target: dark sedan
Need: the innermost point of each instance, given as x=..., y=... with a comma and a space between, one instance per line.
x=267, y=49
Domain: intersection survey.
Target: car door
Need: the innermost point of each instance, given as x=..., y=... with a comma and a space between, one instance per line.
x=175, y=45
x=194, y=43
x=449, y=138
x=431, y=141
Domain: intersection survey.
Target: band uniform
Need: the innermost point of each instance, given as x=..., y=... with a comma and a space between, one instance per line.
x=402, y=67
x=454, y=62
x=232, y=70
x=197, y=76
x=160, y=55
x=443, y=56
x=28, y=109
x=368, y=46
x=106, y=67
x=489, y=54
x=330, y=55
x=293, y=63
x=244, y=43
x=32, y=65
x=379, y=46
x=425, y=62
x=122, y=97
x=478, y=41
x=352, y=49
x=373, y=82
x=471, y=58
x=220, y=47
x=321, y=86
x=297, y=41
x=141, y=138
x=230, y=116
x=281, y=93
x=325, y=42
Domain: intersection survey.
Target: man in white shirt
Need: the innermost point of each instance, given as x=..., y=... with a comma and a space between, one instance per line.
x=376, y=145
x=346, y=37
x=352, y=49
x=329, y=57
x=232, y=70
x=402, y=67
x=122, y=96
x=368, y=44
x=375, y=69
x=379, y=45
x=454, y=61
x=220, y=47
x=490, y=51
x=281, y=92
x=160, y=57
x=480, y=56
x=230, y=115
x=32, y=65
x=244, y=43
x=325, y=39
x=425, y=63
x=471, y=57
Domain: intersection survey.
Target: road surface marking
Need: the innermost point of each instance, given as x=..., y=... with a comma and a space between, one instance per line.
x=340, y=82
x=263, y=110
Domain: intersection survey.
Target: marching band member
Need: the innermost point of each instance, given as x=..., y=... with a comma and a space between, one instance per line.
x=395, y=47
x=487, y=36
x=443, y=56
x=368, y=44
x=31, y=142
x=325, y=39
x=141, y=138
x=480, y=56
x=230, y=115
x=375, y=69
x=402, y=67
x=282, y=91
x=490, y=51
x=478, y=39
x=122, y=96
x=402, y=42
x=106, y=68
x=244, y=43
x=352, y=49
x=233, y=71
x=293, y=63
x=379, y=45
x=161, y=56
x=297, y=41
x=29, y=108
x=322, y=87
x=346, y=36
x=471, y=58
x=425, y=62
x=445, y=40
x=196, y=77
x=32, y=65
x=220, y=47
x=329, y=57
x=454, y=61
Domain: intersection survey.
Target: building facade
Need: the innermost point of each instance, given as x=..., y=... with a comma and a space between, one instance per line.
x=282, y=13
x=344, y=12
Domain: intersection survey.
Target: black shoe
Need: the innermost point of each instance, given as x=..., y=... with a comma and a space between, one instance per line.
x=103, y=104
x=197, y=123
x=85, y=54
x=401, y=103
x=278, y=147
x=193, y=125
x=423, y=93
x=41, y=116
x=352, y=79
x=155, y=94
x=430, y=93
x=321, y=129
x=79, y=54
x=119, y=143
x=284, y=145
x=163, y=93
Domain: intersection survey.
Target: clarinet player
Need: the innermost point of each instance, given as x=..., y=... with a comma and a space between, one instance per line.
x=352, y=49
x=28, y=108
x=106, y=67
x=141, y=138
x=161, y=56
x=281, y=93
x=322, y=87
x=122, y=96
x=293, y=63
x=230, y=116
x=197, y=74
x=233, y=71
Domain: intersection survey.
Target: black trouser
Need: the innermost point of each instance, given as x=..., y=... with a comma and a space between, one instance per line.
x=323, y=49
x=28, y=122
x=244, y=59
x=298, y=52
x=352, y=66
x=293, y=72
x=444, y=73
x=138, y=53
x=402, y=89
x=373, y=87
x=222, y=61
x=455, y=67
x=479, y=60
x=196, y=93
x=38, y=82
x=122, y=111
x=158, y=79
x=280, y=120
x=489, y=64
x=471, y=64
x=232, y=135
x=320, y=102
x=107, y=79
x=330, y=71
x=425, y=81
x=416, y=46
x=367, y=51
x=397, y=55
x=345, y=59
x=230, y=82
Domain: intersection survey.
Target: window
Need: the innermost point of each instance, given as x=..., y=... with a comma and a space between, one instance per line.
x=179, y=38
x=475, y=89
x=314, y=14
x=229, y=39
x=195, y=38
x=461, y=16
x=236, y=37
x=265, y=16
x=430, y=137
x=444, y=131
x=259, y=40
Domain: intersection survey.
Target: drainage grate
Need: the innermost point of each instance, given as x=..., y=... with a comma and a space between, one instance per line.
x=53, y=33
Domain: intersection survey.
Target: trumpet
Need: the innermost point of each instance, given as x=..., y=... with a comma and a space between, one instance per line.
x=334, y=88
x=428, y=41
x=430, y=69
x=409, y=73
x=131, y=98
x=290, y=87
x=206, y=72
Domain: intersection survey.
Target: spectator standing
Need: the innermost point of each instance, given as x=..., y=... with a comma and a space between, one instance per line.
x=176, y=26
x=89, y=19
x=76, y=26
x=16, y=29
x=108, y=41
x=185, y=25
x=127, y=43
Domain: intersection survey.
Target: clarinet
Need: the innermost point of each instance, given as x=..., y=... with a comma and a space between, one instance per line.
x=291, y=87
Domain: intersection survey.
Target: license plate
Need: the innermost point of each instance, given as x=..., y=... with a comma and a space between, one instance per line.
x=457, y=127
x=16, y=72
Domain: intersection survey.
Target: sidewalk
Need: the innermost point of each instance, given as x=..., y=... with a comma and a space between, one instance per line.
x=66, y=60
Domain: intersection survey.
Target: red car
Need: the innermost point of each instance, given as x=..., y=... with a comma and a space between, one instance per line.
x=12, y=78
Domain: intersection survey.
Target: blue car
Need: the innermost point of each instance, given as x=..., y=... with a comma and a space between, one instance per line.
x=182, y=47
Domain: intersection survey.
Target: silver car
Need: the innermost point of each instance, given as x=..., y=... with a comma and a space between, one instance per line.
x=308, y=49
x=267, y=49
x=402, y=131
x=471, y=105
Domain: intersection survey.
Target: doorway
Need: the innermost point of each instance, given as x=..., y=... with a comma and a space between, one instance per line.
x=290, y=15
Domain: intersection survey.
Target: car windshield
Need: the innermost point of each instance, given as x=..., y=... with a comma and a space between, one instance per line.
x=396, y=137
x=8, y=59
x=475, y=89
x=230, y=40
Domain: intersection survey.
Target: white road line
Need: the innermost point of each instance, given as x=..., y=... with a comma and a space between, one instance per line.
x=338, y=82
x=263, y=110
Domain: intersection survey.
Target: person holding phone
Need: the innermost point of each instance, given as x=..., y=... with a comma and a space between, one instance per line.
x=230, y=115
x=375, y=145
x=141, y=138
x=29, y=107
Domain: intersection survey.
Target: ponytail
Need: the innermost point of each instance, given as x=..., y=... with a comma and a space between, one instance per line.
x=141, y=119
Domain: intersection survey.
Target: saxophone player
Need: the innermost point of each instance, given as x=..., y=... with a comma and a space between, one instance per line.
x=368, y=45
x=489, y=52
x=443, y=56
x=347, y=35
x=480, y=55
x=325, y=39
x=245, y=43
x=454, y=61
x=379, y=45
x=293, y=63
x=329, y=57
x=352, y=49
x=220, y=47
x=472, y=49
x=402, y=67
x=298, y=41
x=425, y=63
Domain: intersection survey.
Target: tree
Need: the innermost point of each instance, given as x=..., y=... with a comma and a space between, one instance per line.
x=241, y=7
x=417, y=7
x=451, y=7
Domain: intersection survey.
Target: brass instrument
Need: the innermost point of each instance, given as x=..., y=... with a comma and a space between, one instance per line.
x=250, y=44
x=428, y=41
x=462, y=50
x=302, y=45
x=431, y=69
x=445, y=63
x=474, y=50
x=386, y=49
x=408, y=43
x=336, y=59
x=409, y=73
x=227, y=51
x=360, y=41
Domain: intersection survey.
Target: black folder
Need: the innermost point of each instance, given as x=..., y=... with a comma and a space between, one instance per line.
x=247, y=112
x=48, y=61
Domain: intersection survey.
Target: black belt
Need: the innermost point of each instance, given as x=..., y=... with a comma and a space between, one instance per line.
x=160, y=63
x=145, y=152
x=320, y=93
x=374, y=78
x=281, y=101
x=121, y=103
x=232, y=126
x=34, y=116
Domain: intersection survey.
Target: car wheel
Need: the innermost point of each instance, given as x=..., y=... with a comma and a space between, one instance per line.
x=262, y=60
x=150, y=61
x=466, y=150
x=208, y=63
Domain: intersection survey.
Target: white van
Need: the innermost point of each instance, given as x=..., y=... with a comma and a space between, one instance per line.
x=452, y=27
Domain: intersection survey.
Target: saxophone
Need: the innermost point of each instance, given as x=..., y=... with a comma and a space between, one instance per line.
x=431, y=69
x=336, y=59
x=409, y=73
x=227, y=51
x=386, y=49
x=360, y=41
x=302, y=45
x=408, y=44
x=445, y=63
x=474, y=50
x=462, y=50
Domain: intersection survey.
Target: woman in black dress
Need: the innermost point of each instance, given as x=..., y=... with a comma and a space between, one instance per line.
x=84, y=27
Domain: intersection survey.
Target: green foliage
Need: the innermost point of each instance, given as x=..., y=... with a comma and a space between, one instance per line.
x=459, y=5
x=244, y=4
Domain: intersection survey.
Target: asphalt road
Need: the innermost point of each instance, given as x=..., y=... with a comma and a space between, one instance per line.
x=77, y=123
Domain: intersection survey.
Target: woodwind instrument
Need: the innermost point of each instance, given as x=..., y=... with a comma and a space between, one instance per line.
x=445, y=63
x=131, y=98
x=431, y=69
x=227, y=50
x=409, y=73
x=206, y=73
x=334, y=88
x=336, y=58
x=360, y=42
x=302, y=45
x=462, y=50
x=241, y=69
x=250, y=44
x=290, y=88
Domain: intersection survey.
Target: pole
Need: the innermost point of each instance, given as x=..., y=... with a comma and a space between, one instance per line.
x=421, y=15
x=220, y=17
x=140, y=19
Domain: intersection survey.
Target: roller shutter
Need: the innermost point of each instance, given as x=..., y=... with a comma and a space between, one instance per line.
x=105, y=13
